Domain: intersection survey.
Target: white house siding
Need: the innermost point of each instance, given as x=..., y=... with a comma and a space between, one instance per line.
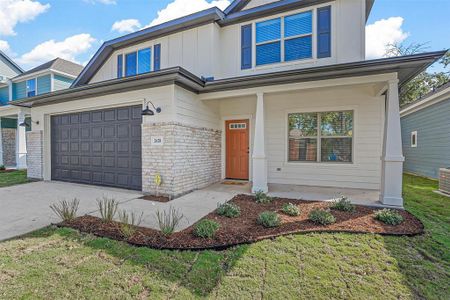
x=365, y=170
x=255, y=3
x=213, y=51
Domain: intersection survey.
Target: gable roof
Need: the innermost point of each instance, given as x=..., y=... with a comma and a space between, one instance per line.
x=440, y=94
x=232, y=15
x=11, y=63
x=58, y=64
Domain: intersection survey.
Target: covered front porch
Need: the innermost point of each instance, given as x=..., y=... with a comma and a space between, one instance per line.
x=364, y=163
x=13, y=147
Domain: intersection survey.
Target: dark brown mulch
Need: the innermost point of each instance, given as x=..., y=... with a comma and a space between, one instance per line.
x=245, y=229
x=7, y=171
x=155, y=198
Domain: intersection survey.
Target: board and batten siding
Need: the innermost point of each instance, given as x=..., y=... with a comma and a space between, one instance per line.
x=368, y=126
x=433, y=139
x=61, y=82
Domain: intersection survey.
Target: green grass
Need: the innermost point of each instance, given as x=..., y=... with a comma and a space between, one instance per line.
x=61, y=263
x=12, y=178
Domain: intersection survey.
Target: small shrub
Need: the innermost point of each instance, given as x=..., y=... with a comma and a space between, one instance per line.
x=129, y=222
x=2, y=168
x=262, y=197
x=269, y=219
x=389, y=216
x=66, y=210
x=108, y=208
x=342, y=204
x=291, y=209
x=229, y=210
x=206, y=228
x=168, y=221
x=322, y=217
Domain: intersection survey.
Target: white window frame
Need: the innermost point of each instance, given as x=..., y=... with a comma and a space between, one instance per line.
x=413, y=135
x=319, y=136
x=124, y=55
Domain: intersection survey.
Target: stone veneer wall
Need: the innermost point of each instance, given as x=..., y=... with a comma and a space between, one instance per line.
x=35, y=158
x=8, y=136
x=189, y=159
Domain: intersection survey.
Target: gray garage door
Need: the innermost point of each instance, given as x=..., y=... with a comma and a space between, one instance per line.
x=101, y=147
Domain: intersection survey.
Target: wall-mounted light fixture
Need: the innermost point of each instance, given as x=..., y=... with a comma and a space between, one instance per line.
x=25, y=124
x=148, y=112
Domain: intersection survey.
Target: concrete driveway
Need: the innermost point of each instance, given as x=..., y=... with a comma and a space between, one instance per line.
x=25, y=208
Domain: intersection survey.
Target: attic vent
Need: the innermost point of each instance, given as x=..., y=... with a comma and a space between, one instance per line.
x=444, y=180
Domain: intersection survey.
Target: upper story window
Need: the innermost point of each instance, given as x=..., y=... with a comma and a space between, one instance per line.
x=138, y=62
x=31, y=87
x=287, y=38
x=320, y=137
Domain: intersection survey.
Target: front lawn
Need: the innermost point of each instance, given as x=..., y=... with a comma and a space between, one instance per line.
x=61, y=263
x=13, y=177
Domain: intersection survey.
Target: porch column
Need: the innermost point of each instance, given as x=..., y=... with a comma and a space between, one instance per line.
x=21, y=145
x=1, y=144
x=259, y=149
x=392, y=159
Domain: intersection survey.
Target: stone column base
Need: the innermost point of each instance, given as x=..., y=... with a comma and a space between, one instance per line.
x=35, y=146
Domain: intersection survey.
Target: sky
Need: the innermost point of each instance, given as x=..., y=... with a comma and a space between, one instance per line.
x=35, y=31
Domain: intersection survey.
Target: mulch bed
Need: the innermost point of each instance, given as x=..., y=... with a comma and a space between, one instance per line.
x=244, y=229
x=155, y=198
x=8, y=171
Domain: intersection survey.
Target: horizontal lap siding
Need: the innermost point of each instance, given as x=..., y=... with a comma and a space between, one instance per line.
x=366, y=169
x=4, y=95
x=433, y=139
x=19, y=90
x=61, y=82
x=43, y=84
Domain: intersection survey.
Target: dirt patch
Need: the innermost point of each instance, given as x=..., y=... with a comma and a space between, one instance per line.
x=245, y=229
x=163, y=199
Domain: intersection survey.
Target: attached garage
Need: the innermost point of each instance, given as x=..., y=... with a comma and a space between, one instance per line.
x=101, y=147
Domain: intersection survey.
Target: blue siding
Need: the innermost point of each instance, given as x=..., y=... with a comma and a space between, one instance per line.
x=433, y=140
x=4, y=95
x=19, y=90
x=43, y=84
x=61, y=82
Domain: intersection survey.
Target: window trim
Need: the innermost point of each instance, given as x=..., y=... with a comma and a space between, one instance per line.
x=282, y=63
x=413, y=134
x=288, y=162
x=136, y=51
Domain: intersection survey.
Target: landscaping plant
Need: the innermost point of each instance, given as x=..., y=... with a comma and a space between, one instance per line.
x=343, y=204
x=66, y=210
x=269, y=219
x=206, y=228
x=129, y=222
x=168, y=221
x=262, y=197
x=229, y=210
x=2, y=168
x=322, y=217
x=108, y=208
x=291, y=209
x=389, y=216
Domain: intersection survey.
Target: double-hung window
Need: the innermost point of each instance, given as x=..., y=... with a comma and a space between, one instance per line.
x=268, y=42
x=139, y=62
x=31, y=87
x=320, y=137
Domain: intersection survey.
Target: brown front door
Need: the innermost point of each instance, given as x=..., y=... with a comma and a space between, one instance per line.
x=237, y=146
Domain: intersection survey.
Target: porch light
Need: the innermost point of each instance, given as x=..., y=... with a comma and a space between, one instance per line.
x=25, y=124
x=148, y=112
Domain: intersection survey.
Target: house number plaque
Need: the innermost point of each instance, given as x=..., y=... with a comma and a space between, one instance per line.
x=157, y=140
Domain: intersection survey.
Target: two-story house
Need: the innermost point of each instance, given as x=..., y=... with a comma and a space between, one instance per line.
x=272, y=92
x=15, y=121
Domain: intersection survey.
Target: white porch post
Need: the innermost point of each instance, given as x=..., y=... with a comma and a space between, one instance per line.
x=259, y=149
x=1, y=144
x=21, y=144
x=392, y=159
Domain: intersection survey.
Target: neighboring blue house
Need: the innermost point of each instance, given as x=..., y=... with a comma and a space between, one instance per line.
x=426, y=133
x=15, y=84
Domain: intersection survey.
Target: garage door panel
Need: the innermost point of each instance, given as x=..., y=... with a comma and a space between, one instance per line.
x=98, y=147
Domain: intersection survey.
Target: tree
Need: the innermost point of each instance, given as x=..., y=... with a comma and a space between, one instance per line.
x=426, y=81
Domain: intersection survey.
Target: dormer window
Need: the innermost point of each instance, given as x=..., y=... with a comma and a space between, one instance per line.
x=31, y=87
